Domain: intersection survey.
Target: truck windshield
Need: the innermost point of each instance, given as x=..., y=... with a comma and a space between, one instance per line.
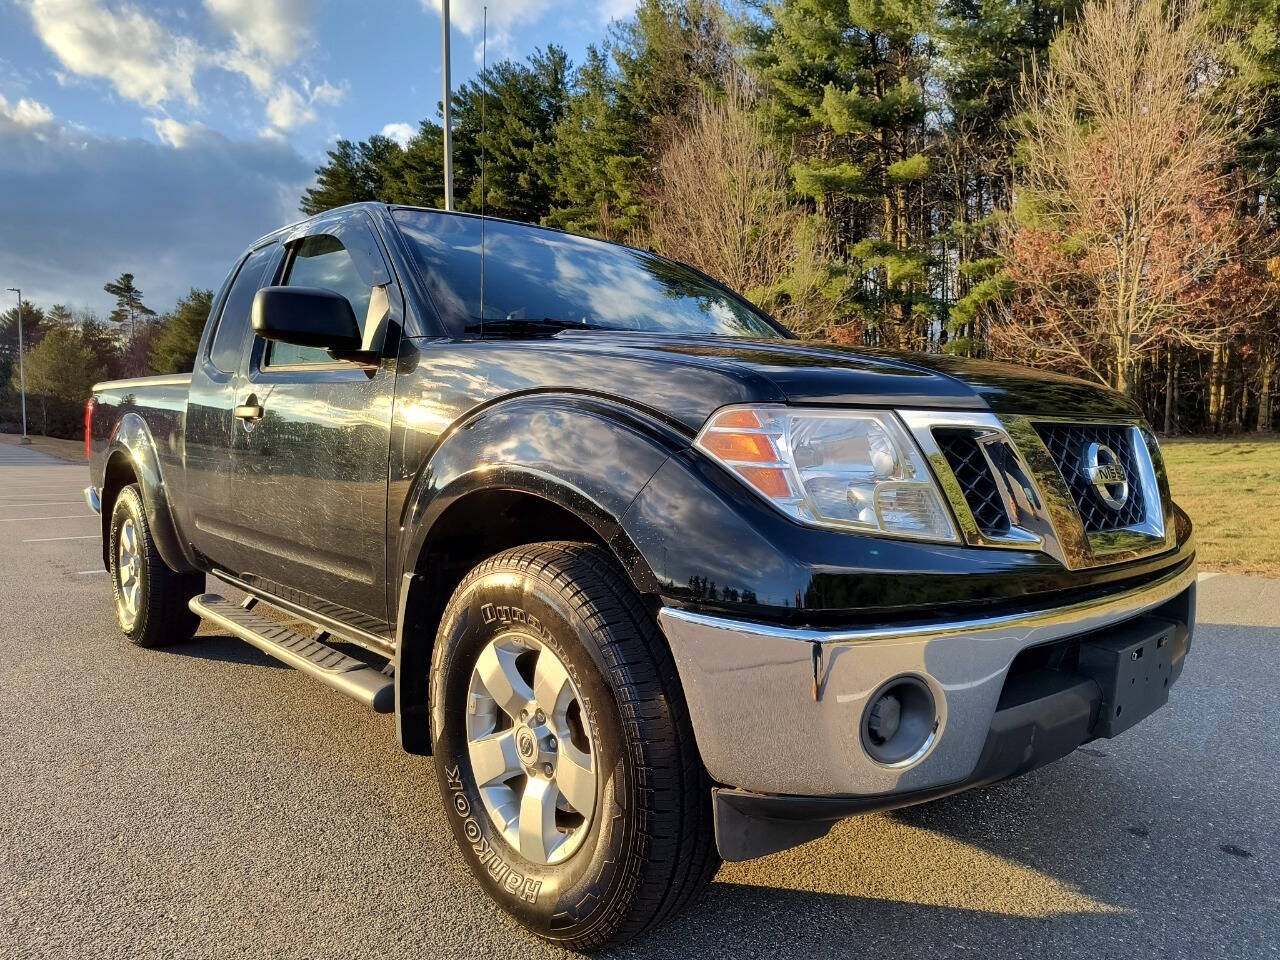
x=539, y=281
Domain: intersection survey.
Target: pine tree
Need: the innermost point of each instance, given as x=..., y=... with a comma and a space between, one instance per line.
x=848, y=79
x=33, y=327
x=355, y=172
x=176, y=342
x=60, y=315
x=129, y=306
x=670, y=55
x=986, y=46
x=523, y=102
x=629, y=97
x=595, y=155
x=96, y=335
x=416, y=175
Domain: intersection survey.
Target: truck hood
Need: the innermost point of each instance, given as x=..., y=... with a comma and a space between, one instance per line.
x=809, y=372
x=685, y=379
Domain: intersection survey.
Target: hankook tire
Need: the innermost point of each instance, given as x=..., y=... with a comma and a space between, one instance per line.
x=150, y=598
x=587, y=817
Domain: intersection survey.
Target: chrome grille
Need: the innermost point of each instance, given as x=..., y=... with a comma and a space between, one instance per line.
x=1017, y=482
x=973, y=473
x=1067, y=444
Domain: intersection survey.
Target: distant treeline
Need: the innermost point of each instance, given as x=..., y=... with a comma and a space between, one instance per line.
x=66, y=351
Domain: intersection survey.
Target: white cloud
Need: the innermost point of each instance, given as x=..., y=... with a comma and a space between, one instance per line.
x=501, y=46
x=24, y=115
x=134, y=53
x=274, y=29
x=401, y=133
x=610, y=10
x=175, y=217
x=467, y=15
x=174, y=132
x=152, y=65
x=289, y=108
x=329, y=94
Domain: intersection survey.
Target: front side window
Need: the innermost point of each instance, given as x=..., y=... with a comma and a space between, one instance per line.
x=233, y=323
x=536, y=276
x=322, y=261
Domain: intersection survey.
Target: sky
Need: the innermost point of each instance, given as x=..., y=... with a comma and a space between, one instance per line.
x=162, y=138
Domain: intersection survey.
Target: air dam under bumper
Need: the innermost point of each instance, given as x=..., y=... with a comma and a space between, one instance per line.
x=760, y=729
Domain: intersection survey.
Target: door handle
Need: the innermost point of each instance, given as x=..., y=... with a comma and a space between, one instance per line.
x=251, y=409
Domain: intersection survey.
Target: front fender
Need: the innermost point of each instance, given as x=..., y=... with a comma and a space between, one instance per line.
x=131, y=442
x=589, y=455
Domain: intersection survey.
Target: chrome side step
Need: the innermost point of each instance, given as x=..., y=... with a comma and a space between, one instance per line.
x=353, y=677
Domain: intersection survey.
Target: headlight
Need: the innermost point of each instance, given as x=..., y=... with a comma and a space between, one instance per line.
x=852, y=469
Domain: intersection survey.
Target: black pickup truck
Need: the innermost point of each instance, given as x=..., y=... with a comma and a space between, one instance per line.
x=654, y=581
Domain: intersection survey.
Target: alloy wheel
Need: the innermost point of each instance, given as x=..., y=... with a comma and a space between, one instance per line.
x=531, y=750
x=129, y=571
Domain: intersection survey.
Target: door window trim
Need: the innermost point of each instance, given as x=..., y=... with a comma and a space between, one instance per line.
x=379, y=275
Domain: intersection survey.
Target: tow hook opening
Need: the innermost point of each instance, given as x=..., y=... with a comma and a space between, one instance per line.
x=899, y=721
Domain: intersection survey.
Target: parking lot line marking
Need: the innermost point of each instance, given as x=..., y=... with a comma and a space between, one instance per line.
x=82, y=573
x=68, y=516
x=43, y=503
x=39, y=492
x=92, y=536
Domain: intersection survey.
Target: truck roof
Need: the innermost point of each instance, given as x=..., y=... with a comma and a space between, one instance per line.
x=389, y=207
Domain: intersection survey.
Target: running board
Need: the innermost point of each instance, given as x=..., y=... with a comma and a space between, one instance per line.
x=353, y=677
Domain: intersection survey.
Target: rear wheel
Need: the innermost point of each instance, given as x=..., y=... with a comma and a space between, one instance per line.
x=564, y=750
x=151, y=599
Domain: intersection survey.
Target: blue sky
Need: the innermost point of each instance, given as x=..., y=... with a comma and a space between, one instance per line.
x=161, y=138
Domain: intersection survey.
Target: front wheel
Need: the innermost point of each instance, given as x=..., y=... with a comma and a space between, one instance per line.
x=564, y=750
x=151, y=599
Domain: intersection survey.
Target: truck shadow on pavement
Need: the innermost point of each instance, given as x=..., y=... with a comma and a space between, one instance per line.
x=1006, y=872
x=1159, y=843
x=220, y=648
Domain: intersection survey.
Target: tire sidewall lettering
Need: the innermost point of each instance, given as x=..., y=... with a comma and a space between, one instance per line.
x=543, y=897
x=516, y=883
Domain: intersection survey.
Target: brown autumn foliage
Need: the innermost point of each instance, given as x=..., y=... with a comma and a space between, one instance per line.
x=720, y=200
x=1127, y=236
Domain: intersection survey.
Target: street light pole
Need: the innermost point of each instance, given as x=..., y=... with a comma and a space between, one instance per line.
x=448, y=126
x=22, y=374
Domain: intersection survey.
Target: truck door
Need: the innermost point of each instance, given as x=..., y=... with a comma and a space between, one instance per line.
x=313, y=472
x=213, y=437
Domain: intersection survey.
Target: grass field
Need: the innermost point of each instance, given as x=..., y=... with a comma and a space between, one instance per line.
x=1231, y=489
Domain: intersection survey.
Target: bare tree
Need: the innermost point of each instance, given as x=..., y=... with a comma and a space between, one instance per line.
x=720, y=202
x=1126, y=236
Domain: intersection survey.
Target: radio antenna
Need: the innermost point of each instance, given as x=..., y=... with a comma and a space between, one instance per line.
x=484, y=137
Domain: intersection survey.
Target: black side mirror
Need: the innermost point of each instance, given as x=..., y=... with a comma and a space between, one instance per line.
x=308, y=317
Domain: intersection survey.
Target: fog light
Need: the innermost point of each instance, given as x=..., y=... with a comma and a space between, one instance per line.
x=899, y=721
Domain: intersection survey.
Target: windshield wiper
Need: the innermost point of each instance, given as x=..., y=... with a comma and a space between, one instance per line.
x=530, y=326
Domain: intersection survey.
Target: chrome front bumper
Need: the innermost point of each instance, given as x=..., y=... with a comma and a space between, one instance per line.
x=751, y=690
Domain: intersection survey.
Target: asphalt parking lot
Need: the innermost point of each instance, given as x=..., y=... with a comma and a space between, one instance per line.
x=203, y=801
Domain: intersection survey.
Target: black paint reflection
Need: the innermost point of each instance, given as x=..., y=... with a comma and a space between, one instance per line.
x=531, y=273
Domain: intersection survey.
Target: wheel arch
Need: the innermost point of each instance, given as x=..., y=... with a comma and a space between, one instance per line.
x=132, y=458
x=464, y=507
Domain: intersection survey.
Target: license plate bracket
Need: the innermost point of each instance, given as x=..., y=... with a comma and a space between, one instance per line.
x=1133, y=667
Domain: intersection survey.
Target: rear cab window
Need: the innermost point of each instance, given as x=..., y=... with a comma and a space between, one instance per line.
x=228, y=342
